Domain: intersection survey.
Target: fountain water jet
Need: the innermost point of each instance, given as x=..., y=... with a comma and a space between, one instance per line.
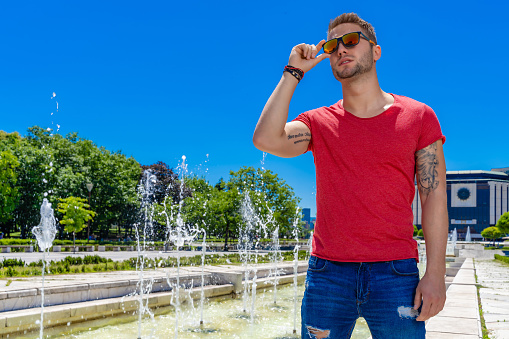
x=45, y=234
x=146, y=190
x=468, y=237
x=178, y=233
x=202, y=296
x=295, y=268
x=276, y=259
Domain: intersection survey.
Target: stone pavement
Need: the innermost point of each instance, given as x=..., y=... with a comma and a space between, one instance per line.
x=493, y=278
x=460, y=317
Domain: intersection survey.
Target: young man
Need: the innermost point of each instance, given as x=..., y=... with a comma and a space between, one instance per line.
x=368, y=148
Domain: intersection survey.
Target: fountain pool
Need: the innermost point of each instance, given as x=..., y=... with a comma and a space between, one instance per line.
x=271, y=321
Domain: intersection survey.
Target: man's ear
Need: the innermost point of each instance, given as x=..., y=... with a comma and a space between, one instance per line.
x=377, y=53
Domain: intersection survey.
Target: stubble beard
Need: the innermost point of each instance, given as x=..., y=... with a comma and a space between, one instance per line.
x=364, y=65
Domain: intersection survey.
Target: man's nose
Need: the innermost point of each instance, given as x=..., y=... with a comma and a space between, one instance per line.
x=341, y=49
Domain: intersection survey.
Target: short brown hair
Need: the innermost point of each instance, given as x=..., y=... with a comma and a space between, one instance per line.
x=352, y=18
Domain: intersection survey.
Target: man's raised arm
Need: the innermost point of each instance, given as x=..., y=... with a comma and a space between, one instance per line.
x=272, y=133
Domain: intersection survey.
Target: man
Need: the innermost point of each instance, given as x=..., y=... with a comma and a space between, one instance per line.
x=368, y=148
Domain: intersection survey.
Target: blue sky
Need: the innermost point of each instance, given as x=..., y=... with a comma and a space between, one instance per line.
x=161, y=79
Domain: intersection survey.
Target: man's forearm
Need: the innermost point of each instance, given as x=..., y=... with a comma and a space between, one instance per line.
x=274, y=116
x=435, y=225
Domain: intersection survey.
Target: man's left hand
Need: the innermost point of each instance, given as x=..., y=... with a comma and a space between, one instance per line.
x=431, y=291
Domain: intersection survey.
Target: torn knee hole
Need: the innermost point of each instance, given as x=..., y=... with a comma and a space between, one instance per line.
x=317, y=333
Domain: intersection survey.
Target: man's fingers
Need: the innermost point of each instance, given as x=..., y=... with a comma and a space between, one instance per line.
x=417, y=299
x=322, y=56
x=425, y=311
x=320, y=45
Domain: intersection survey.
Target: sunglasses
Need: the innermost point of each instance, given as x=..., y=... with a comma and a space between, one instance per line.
x=348, y=40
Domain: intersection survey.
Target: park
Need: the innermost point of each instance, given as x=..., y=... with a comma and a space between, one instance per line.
x=137, y=199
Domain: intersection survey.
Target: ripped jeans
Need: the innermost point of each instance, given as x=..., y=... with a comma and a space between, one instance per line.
x=337, y=293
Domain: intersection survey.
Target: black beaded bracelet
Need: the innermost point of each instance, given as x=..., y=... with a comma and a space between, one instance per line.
x=296, y=72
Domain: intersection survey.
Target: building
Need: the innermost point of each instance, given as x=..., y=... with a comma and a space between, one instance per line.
x=306, y=217
x=474, y=198
x=313, y=221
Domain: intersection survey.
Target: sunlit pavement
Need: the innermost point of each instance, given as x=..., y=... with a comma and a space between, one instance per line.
x=493, y=278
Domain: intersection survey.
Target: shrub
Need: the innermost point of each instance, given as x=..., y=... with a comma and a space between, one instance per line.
x=10, y=272
x=502, y=258
x=11, y=263
x=93, y=259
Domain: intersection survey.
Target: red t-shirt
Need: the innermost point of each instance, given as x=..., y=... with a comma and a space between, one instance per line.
x=365, y=171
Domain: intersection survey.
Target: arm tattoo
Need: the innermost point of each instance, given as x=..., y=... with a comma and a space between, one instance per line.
x=301, y=137
x=426, y=162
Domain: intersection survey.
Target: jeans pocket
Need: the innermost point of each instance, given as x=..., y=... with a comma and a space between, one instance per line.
x=404, y=267
x=317, y=264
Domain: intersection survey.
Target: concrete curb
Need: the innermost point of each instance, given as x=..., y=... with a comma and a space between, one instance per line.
x=460, y=316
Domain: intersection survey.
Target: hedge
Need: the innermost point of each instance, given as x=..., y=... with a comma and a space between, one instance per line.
x=502, y=258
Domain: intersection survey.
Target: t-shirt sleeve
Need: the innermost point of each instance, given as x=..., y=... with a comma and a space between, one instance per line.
x=305, y=118
x=430, y=129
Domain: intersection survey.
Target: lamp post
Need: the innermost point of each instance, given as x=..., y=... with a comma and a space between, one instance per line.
x=89, y=188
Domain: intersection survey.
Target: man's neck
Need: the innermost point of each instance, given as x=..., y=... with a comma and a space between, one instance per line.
x=364, y=98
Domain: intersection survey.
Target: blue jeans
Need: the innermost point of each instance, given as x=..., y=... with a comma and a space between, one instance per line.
x=337, y=293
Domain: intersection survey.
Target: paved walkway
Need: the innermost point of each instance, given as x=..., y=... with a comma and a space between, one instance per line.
x=460, y=317
x=493, y=277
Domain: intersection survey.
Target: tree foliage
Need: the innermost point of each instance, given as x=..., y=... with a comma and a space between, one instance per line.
x=491, y=233
x=54, y=166
x=218, y=208
x=167, y=184
x=503, y=223
x=8, y=189
x=75, y=212
x=46, y=165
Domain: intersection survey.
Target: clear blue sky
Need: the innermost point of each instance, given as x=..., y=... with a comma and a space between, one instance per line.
x=162, y=79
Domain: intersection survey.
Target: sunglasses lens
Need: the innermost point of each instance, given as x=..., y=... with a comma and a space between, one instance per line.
x=330, y=46
x=351, y=39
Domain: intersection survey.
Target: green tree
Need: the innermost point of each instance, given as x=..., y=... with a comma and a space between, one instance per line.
x=55, y=166
x=271, y=196
x=491, y=233
x=32, y=179
x=213, y=208
x=416, y=230
x=75, y=213
x=8, y=190
x=420, y=233
x=503, y=223
x=167, y=184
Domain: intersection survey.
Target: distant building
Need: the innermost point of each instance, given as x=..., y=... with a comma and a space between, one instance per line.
x=313, y=221
x=505, y=170
x=306, y=217
x=474, y=198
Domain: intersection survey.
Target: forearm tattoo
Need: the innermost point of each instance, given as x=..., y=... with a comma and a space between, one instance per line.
x=426, y=163
x=301, y=137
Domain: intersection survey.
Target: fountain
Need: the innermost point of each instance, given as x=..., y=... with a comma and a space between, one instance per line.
x=178, y=233
x=275, y=258
x=45, y=234
x=468, y=237
x=146, y=191
x=295, y=268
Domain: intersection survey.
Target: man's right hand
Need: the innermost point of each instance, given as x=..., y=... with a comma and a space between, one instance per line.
x=305, y=56
x=272, y=134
